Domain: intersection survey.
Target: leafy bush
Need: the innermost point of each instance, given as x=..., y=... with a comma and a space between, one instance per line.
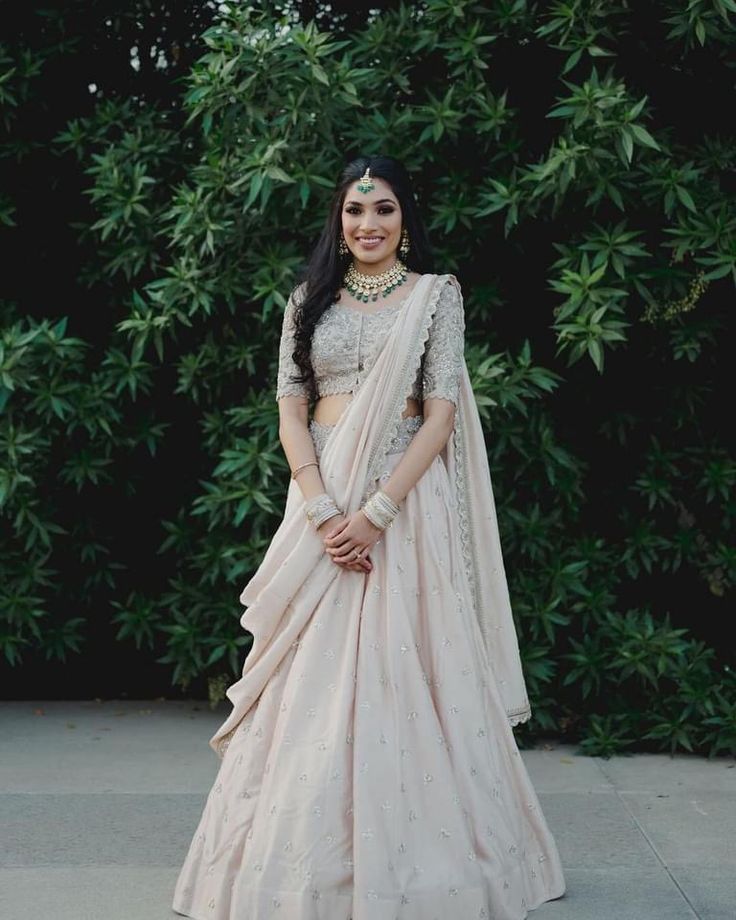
x=594, y=234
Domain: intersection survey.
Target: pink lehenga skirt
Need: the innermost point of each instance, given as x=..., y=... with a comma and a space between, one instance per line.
x=377, y=776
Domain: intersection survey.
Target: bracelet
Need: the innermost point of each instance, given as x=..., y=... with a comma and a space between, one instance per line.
x=380, y=509
x=308, y=463
x=320, y=509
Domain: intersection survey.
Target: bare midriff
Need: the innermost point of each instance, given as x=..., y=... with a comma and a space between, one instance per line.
x=328, y=409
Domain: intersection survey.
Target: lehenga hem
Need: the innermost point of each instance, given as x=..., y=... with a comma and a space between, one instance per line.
x=467, y=903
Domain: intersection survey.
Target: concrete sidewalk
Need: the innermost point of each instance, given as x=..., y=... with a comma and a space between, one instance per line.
x=99, y=801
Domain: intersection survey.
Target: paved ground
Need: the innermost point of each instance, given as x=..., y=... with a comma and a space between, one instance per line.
x=99, y=800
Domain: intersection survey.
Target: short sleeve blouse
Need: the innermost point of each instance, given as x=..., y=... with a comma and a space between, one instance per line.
x=346, y=343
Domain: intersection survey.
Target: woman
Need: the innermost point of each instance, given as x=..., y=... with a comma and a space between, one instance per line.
x=369, y=768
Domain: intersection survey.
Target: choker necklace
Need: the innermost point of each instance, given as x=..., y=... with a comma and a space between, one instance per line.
x=368, y=287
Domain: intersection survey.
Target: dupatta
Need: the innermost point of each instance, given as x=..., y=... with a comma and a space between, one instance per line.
x=351, y=460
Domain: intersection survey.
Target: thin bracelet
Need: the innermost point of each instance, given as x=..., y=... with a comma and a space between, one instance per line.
x=308, y=463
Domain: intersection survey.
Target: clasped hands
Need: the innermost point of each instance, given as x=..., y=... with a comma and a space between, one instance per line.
x=343, y=536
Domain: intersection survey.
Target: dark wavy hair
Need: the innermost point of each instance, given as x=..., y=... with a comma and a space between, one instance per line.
x=320, y=281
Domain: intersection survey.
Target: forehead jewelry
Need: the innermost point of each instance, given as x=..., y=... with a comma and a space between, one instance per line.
x=366, y=184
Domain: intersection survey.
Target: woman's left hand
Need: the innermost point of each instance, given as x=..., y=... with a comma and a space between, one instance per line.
x=356, y=533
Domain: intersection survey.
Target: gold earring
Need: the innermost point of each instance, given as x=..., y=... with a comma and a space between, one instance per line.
x=342, y=247
x=405, y=244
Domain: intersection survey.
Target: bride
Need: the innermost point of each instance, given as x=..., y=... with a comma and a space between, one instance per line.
x=369, y=769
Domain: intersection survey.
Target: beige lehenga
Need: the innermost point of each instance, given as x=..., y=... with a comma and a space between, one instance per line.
x=369, y=769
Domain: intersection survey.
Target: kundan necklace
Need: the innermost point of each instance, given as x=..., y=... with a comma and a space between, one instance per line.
x=368, y=287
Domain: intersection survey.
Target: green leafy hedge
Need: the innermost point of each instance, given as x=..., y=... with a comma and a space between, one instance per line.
x=595, y=239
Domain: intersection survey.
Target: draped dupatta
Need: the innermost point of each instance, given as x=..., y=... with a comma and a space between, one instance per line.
x=351, y=460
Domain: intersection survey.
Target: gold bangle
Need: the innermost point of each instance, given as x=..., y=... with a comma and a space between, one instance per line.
x=308, y=463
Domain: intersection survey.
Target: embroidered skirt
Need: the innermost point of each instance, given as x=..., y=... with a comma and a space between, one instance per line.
x=376, y=777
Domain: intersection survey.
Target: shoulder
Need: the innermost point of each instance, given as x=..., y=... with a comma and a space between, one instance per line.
x=446, y=286
x=449, y=295
x=299, y=293
x=450, y=283
x=295, y=300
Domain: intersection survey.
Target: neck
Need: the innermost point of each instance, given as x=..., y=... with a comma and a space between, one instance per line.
x=374, y=268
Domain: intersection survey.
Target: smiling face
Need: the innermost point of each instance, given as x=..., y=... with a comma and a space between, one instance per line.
x=371, y=225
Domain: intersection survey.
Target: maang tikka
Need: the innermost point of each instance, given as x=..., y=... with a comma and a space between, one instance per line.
x=366, y=184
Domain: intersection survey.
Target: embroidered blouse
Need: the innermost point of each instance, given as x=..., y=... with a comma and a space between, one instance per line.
x=346, y=342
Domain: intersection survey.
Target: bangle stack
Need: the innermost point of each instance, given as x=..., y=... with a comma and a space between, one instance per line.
x=320, y=509
x=380, y=509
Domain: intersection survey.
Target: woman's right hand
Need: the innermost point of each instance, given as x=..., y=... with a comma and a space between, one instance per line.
x=363, y=564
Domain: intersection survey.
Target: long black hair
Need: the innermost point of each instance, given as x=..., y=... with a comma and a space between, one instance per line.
x=320, y=281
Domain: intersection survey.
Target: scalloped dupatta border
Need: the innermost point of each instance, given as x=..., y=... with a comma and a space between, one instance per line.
x=466, y=458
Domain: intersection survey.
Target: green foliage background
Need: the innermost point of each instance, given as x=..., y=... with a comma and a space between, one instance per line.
x=576, y=173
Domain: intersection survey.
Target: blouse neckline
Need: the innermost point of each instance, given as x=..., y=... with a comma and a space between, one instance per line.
x=388, y=309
